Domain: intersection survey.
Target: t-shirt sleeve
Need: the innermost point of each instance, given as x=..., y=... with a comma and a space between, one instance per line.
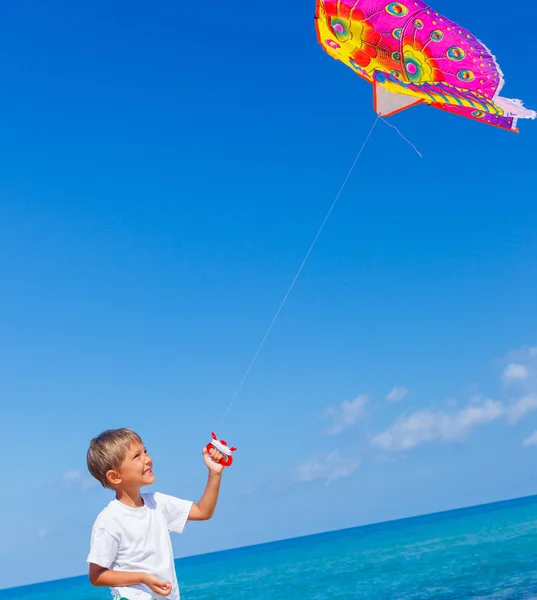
x=175, y=510
x=103, y=548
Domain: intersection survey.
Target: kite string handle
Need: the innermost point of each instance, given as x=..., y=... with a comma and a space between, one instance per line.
x=222, y=447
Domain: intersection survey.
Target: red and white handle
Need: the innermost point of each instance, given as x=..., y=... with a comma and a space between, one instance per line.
x=222, y=447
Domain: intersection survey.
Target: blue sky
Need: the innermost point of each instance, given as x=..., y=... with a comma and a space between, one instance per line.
x=162, y=174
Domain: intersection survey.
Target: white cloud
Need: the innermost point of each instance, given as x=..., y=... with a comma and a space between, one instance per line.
x=89, y=483
x=429, y=426
x=74, y=479
x=346, y=416
x=518, y=369
x=250, y=490
x=521, y=407
x=522, y=355
x=515, y=371
x=42, y=532
x=329, y=468
x=531, y=440
x=397, y=394
x=72, y=476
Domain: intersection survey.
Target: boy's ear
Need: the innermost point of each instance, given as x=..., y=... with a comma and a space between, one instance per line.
x=113, y=477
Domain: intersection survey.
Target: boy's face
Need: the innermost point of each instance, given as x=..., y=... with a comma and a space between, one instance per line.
x=136, y=471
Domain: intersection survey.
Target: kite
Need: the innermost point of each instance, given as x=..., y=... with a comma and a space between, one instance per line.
x=413, y=55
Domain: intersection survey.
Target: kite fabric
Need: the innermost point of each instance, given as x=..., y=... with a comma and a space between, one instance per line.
x=412, y=55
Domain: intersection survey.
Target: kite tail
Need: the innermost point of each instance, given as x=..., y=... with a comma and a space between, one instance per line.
x=515, y=108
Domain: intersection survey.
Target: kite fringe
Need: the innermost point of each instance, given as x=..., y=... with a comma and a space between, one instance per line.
x=516, y=107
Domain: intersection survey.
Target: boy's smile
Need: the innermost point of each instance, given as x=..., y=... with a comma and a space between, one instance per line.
x=136, y=470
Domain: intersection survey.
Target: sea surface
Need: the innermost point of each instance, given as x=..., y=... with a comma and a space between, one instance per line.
x=486, y=552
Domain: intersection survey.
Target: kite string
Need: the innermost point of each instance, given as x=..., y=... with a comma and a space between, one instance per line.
x=406, y=140
x=297, y=275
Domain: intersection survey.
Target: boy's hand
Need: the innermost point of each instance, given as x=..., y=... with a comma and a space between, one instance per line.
x=212, y=460
x=159, y=587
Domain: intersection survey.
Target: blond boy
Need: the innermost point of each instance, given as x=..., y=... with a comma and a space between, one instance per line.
x=130, y=549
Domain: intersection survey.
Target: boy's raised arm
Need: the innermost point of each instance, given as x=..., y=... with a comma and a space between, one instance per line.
x=204, y=509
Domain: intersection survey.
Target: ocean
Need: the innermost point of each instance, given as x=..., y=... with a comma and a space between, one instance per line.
x=485, y=552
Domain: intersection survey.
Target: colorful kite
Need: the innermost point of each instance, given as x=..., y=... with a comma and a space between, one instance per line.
x=413, y=55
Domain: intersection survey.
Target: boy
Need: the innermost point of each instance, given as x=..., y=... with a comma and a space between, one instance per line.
x=131, y=550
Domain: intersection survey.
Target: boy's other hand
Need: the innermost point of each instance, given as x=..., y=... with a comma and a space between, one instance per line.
x=159, y=587
x=212, y=460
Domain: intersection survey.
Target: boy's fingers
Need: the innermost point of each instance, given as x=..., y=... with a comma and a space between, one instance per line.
x=164, y=585
x=214, y=454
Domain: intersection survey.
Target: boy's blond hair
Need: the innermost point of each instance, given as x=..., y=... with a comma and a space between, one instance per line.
x=107, y=452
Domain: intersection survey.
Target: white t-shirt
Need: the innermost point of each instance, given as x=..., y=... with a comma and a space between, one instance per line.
x=138, y=540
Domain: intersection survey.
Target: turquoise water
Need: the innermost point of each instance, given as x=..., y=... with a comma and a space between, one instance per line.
x=488, y=552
